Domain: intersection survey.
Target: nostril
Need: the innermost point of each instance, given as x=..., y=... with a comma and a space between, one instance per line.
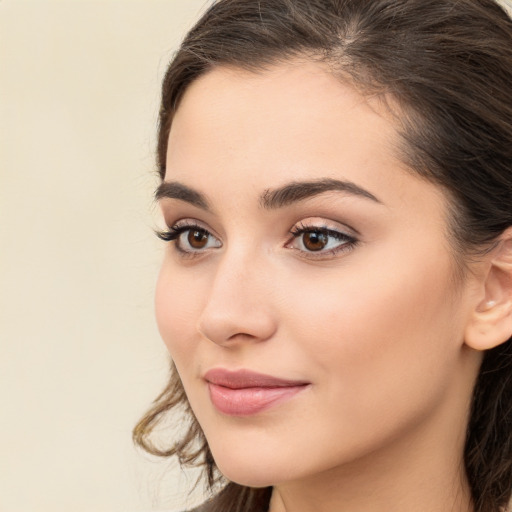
x=237, y=307
x=226, y=326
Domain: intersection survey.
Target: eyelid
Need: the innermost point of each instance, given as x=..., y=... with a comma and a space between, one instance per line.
x=321, y=223
x=188, y=223
x=346, y=237
x=343, y=236
x=176, y=230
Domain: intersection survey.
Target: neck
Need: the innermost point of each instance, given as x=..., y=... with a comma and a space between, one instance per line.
x=373, y=486
x=377, y=489
x=421, y=470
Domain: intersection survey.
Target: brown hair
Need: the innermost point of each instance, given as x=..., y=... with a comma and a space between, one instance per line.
x=448, y=65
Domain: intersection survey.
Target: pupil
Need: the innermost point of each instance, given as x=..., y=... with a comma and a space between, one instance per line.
x=197, y=239
x=315, y=241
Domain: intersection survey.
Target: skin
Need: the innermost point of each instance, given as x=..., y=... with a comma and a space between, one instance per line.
x=377, y=328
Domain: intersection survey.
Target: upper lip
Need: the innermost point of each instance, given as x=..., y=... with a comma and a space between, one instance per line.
x=241, y=379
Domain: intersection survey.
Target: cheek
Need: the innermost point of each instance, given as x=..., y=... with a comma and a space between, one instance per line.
x=177, y=305
x=379, y=331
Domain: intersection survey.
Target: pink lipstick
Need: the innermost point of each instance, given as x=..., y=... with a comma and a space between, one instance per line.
x=243, y=392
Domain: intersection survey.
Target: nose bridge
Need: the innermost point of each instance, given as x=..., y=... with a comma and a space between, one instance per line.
x=236, y=264
x=237, y=306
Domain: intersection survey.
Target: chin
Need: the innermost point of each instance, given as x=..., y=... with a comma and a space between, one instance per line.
x=249, y=475
x=255, y=468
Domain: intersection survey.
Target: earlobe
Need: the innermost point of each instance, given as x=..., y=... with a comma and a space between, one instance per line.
x=491, y=321
x=489, y=328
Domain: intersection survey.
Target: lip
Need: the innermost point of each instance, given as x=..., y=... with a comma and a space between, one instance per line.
x=244, y=392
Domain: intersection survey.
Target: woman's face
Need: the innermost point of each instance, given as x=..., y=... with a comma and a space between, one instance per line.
x=304, y=251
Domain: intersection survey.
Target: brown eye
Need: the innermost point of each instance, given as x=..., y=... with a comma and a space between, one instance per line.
x=315, y=240
x=190, y=239
x=320, y=242
x=197, y=238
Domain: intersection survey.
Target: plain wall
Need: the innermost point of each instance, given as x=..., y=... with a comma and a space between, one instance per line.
x=80, y=356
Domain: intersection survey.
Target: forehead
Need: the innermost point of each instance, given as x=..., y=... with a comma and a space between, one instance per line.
x=238, y=133
x=286, y=117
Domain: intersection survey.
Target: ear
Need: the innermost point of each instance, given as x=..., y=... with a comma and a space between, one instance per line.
x=491, y=320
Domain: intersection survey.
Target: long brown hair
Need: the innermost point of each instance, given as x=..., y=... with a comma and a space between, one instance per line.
x=448, y=66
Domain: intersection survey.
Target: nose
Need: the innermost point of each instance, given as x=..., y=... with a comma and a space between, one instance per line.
x=238, y=308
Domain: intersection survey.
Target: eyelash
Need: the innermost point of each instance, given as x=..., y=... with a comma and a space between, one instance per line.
x=347, y=242
x=174, y=233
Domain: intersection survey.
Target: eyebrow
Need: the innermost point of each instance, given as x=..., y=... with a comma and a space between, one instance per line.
x=272, y=198
x=301, y=190
x=176, y=190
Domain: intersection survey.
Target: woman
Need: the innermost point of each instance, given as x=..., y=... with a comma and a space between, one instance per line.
x=337, y=290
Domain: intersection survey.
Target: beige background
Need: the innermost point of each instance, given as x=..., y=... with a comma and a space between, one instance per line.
x=80, y=356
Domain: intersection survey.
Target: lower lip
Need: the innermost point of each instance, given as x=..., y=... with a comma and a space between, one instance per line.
x=249, y=401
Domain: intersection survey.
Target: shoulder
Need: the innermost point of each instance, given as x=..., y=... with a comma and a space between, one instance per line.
x=201, y=508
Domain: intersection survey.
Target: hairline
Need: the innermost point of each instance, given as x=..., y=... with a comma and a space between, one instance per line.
x=388, y=104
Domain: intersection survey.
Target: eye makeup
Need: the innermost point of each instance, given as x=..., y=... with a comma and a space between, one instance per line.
x=319, y=240
x=311, y=239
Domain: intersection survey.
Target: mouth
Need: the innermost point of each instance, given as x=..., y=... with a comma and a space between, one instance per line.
x=244, y=393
